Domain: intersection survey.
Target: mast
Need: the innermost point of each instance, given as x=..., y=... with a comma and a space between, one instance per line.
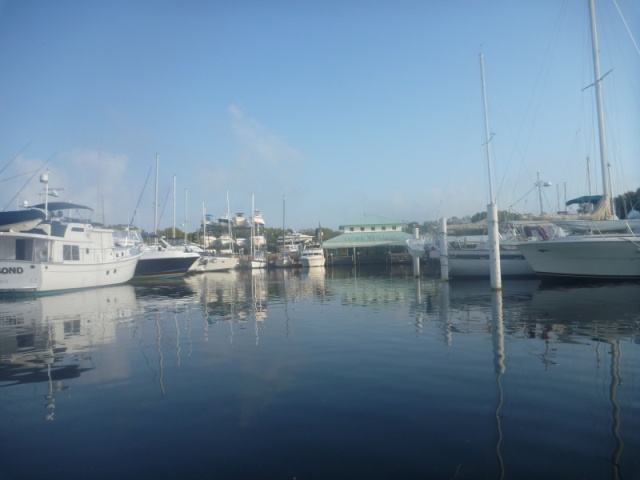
x=599, y=105
x=253, y=228
x=174, y=206
x=495, y=273
x=155, y=203
x=186, y=219
x=487, y=131
x=284, y=235
x=229, y=223
x=204, y=225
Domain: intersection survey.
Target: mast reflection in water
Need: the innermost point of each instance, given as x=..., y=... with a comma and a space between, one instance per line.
x=322, y=373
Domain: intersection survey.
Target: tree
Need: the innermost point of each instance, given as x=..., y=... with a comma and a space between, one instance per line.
x=624, y=203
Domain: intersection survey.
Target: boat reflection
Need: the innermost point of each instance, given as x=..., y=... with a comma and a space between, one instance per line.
x=49, y=338
x=607, y=311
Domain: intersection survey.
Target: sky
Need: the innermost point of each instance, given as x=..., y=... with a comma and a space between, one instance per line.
x=315, y=112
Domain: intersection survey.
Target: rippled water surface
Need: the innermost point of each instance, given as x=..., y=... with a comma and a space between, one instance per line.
x=322, y=374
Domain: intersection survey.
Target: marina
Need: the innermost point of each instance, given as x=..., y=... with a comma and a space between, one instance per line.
x=368, y=282
x=322, y=373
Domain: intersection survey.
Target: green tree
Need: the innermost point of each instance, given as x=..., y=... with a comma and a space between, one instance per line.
x=624, y=203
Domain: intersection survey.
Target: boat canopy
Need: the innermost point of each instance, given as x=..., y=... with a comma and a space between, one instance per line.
x=593, y=199
x=52, y=206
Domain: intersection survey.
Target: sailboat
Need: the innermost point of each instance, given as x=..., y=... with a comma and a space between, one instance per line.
x=490, y=256
x=284, y=260
x=160, y=259
x=596, y=255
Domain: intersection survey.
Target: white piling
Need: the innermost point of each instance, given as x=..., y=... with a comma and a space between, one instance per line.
x=494, y=247
x=416, y=260
x=444, y=252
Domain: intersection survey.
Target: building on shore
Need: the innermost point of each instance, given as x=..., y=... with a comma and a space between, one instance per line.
x=369, y=239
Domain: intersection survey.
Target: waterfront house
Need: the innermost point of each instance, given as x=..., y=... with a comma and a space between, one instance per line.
x=369, y=239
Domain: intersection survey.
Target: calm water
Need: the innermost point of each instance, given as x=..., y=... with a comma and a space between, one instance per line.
x=326, y=374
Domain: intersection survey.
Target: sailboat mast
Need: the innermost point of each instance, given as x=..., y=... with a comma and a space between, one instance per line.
x=155, y=203
x=495, y=271
x=599, y=103
x=174, y=207
x=229, y=223
x=487, y=131
x=253, y=228
x=186, y=212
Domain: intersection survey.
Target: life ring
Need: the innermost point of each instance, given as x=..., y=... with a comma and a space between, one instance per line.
x=43, y=254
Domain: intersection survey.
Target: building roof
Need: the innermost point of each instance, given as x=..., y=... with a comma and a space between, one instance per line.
x=372, y=220
x=367, y=239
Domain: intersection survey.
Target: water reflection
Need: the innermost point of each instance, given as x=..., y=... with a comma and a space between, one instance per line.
x=303, y=364
x=49, y=338
x=609, y=311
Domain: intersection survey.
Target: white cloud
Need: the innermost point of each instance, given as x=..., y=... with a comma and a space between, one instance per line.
x=97, y=179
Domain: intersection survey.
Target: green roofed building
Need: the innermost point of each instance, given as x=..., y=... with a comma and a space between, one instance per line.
x=369, y=239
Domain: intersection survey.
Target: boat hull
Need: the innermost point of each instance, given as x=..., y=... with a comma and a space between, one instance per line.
x=215, y=264
x=475, y=263
x=22, y=276
x=615, y=257
x=160, y=265
x=315, y=261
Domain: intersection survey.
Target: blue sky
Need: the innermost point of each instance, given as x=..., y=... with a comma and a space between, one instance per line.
x=345, y=108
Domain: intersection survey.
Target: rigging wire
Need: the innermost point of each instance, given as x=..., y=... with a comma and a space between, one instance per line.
x=141, y=193
x=30, y=178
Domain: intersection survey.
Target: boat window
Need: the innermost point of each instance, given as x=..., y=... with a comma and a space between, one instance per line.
x=362, y=229
x=384, y=228
x=24, y=249
x=71, y=252
x=373, y=229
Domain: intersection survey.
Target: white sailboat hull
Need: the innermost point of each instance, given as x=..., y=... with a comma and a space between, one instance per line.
x=607, y=256
x=475, y=263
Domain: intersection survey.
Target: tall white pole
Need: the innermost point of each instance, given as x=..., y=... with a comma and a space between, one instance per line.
x=186, y=218
x=540, y=193
x=444, y=250
x=416, y=259
x=155, y=202
x=492, y=208
x=174, y=207
x=599, y=105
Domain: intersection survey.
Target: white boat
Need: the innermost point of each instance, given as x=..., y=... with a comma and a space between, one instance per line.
x=421, y=246
x=469, y=255
x=312, y=256
x=257, y=218
x=475, y=263
x=63, y=254
x=214, y=263
x=589, y=256
x=586, y=256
